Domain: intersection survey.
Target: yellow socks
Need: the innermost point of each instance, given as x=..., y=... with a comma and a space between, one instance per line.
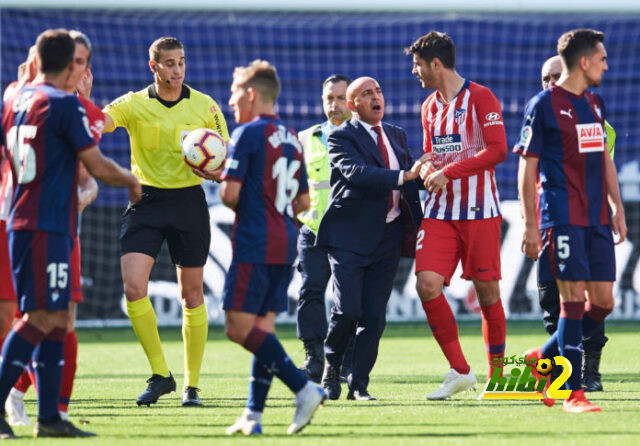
x=145, y=325
x=194, y=332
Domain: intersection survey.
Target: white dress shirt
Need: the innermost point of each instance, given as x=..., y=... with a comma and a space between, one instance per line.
x=393, y=165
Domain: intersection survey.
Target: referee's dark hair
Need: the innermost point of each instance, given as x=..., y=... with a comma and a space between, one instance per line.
x=335, y=78
x=55, y=49
x=578, y=43
x=432, y=45
x=163, y=43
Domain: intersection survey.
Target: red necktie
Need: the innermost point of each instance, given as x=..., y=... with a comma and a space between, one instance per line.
x=381, y=146
x=385, y=157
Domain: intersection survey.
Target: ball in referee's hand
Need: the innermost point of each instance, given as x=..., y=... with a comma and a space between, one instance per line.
x=204, y=149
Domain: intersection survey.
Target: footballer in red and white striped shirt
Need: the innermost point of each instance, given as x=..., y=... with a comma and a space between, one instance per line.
x=468, y=137
x=464, y=138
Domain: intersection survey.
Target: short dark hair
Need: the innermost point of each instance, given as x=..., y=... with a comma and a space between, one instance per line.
x=163, y=43
x=55, y=49
x=577, y=43
x=260, y=75
x=80, y=37
x=335, y=78
x=432, y=45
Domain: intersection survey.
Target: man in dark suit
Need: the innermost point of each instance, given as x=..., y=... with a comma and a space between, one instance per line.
x=372, y=217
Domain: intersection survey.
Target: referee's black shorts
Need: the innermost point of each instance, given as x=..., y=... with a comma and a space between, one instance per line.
x=180, y=216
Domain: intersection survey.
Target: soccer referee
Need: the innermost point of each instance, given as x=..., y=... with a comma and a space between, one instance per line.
x=173, y=208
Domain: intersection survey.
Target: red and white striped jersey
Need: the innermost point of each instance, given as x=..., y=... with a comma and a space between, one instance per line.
x=469, y=137
x=6, y=188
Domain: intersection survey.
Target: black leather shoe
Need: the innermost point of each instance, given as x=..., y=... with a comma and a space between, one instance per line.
x=158, y=386
x=59, y=428
x=359, y=395
x=313, y=364
x=190, y=397
x=331, y=381
x=5, y=430
x=591, y=378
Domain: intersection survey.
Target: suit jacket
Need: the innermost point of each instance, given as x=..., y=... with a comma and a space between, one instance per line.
x=360, y=184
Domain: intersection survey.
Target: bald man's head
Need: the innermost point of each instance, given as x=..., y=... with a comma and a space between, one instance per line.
x=365, y=100
x=355, y=86
x=551, y=71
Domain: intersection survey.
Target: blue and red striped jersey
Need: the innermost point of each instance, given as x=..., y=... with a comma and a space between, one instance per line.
x=566, y=132
x=266, y=156
x=45, y=129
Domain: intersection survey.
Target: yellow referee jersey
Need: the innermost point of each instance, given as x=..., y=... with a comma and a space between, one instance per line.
x=156, y=129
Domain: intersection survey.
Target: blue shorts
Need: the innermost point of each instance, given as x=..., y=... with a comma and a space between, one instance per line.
x=40, y=266
x=577, y=253
x=257, y=288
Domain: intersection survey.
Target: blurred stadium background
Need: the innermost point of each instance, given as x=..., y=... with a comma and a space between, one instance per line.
x=503, y=51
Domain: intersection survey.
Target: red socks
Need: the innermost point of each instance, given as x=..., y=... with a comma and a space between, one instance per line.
x=23, y=382
x=70, y=355
x=494, y=332
x=445, y=330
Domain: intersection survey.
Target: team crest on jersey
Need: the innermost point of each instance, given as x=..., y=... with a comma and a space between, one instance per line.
x=446, y=143
x=525, y=136
x=460, y=115
x=590, y=137
x=598, y=111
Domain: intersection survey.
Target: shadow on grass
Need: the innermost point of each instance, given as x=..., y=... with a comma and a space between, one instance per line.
x=288, y=331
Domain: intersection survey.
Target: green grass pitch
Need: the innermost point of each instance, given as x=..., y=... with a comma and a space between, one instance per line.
x=112, y=371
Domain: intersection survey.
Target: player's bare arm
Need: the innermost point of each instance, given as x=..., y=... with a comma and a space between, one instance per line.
x=230, y=193
x=110, y=172
x=618, y=221
x=301, y=203
x=527, y=178
x=109, y=125
x=409, y=175
x=87, y=188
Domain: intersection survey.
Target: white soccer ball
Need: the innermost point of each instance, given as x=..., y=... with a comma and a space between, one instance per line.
x=204, y=149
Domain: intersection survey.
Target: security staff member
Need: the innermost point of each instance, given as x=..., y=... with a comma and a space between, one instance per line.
x=313, y=262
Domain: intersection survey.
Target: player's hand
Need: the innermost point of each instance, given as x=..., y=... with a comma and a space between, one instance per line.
x=85, y=84
x=531, y=241
x=619, y=224
x=135, y=191
x=213, y=175
x=436, y=181
x=412, y=174
x=85, y=198
x=427, y=169
x=429, y=164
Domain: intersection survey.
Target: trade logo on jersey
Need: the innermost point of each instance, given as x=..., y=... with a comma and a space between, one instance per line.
x=446, y=143
x=460, y=115
x=493, y=118
x=525, y=136
x=590, y=137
